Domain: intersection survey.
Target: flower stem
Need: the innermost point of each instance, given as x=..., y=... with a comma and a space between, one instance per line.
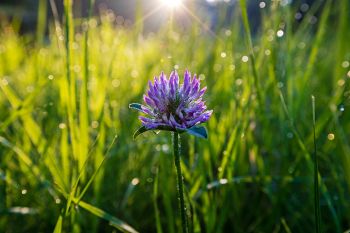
x=180, y=192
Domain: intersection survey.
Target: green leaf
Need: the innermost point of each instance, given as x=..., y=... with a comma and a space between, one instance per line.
x=135, y=106
x=198, y=131
x=113, y=221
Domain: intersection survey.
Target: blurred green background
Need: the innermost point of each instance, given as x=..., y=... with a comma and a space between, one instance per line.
x=67, y=74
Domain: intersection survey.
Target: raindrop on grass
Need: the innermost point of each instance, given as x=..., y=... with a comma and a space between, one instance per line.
x=94, y=124
x=176, y=67
x=330, y=136
x=280, y=33
x=115, y=83
x=135, y=181
x=345, y=64
x=50, y=77
x=62, y=126
x=267, y=52
x=24, y=191
x=304, y=7
x=298, y=16
x=223, y=181
x=290, y=135
x=228, y=32
x=223, y=54
x=4, y=82
x=149, y=179
x=245, y=58
x=262, y=4
x=58, y=201
x=342, y=108
x=313, y=19
x=341, y=82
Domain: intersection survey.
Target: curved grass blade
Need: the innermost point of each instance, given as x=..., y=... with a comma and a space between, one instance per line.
x=113, y=221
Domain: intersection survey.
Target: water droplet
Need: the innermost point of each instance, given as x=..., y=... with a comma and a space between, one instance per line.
x=134, y=73
x=176, y=67
x=239, y=82
x=280, y=33
x=280, y=84
x=262, y=4
x=219, y=169
x=298, y=16
x=348, y=74
x=341, y=82
x=290, y=135
x=115, y=82
x=232, y=67
x=149, y=179
x=267, y=52
x=201, y=77
x=342, y=108
x=223, y=54
x=223, y=181
x=245, y=58
x=304, y=7
x=313, y=19
x=62, y=126
x=30, y=89
x=165, y=147
x=58, y=201
x=50, y=77
x=94, y=124
x=345, y=64
x=24, y=191
x=330, y=136
x=4, y=82
x=228, y=32
x=135, y=181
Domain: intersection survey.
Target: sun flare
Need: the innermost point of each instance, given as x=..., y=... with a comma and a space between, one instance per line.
x=172, y=3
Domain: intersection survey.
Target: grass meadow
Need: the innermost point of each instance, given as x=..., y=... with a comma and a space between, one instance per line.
x=68, y=161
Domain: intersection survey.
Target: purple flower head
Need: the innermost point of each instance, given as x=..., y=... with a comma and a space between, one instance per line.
x=174, y=106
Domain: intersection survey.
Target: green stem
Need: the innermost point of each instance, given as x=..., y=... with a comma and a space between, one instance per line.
x=316, y=184
x=180, y=191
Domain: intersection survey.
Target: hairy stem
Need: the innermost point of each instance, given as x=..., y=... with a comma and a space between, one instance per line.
x=180, y=192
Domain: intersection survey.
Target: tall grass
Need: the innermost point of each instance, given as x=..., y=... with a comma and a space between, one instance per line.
x=69, y=164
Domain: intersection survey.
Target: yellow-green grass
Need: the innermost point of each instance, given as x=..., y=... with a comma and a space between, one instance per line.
x=69, y=159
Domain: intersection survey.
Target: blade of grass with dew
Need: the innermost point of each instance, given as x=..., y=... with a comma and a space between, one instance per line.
x=316, y=173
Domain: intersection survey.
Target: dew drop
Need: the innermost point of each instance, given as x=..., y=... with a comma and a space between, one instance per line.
x=298, y=16
x=223, y=181
x=345, y=64
x=228, y=32
x=223, y=54
x=62, y=126
x=50, y=77
x=24, y=191
x=342, y=108
x=262, y=5
x=267, y=52
x=330, y=136
x=245, y=58
x=135, y=181
x=280, y=33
